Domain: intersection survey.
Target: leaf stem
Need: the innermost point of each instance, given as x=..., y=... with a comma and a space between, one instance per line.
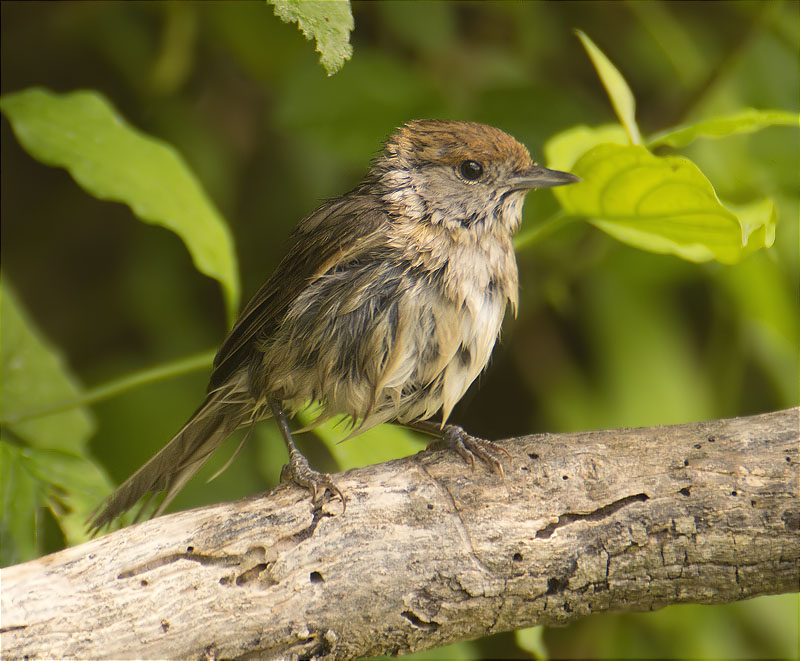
x=542, y=230
x=112, y=388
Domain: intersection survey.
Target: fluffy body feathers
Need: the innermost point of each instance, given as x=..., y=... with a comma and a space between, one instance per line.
x=386, y=306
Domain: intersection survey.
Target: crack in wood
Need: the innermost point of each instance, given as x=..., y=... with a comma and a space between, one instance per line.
x=311, y=644
x=419, y=622
x=306, y=532
x=253, y=574
x=462, y=525
x=13, y=627
x=594, y=515
x=226, y=560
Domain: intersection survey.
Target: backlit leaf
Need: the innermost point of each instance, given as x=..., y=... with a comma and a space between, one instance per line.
x=44, y=460
x=744, y=121
x=663, y=205
x=618, y=91
x=328, y=22
x=563, y=149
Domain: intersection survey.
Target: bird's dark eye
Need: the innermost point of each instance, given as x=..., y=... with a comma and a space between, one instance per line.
x=470, y=170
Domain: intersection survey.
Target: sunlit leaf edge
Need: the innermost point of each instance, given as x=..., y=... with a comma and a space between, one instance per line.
x=328, y=24
x=619, y=92
x=748, y=120
x=728, y=246
x=211, y=250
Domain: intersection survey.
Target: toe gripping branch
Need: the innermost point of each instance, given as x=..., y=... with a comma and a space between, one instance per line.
x=298, y=470
x=466, y=445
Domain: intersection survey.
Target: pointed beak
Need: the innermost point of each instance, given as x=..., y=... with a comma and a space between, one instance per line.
x=539, y=177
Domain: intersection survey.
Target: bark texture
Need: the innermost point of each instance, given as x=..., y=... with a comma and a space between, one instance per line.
x=430, y=552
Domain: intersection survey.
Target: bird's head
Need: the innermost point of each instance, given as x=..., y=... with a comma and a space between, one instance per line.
x=459, y=175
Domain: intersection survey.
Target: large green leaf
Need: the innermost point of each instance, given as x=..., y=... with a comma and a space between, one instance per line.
x=744, y=121
x=44, y=460
x=663, y=205
x=618, y=91
x=111, y=160
x=328, y=22
x=69, y=485
x=35, y=376
x=20, y=493
x=563, y=149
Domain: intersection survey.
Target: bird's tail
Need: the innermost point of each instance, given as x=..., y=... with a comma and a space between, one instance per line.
x=172, y=467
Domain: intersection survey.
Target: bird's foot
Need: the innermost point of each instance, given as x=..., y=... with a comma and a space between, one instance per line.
x=469, y=447
x=300, y=472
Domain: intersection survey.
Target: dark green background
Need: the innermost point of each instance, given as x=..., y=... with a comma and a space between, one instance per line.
x=607, y=336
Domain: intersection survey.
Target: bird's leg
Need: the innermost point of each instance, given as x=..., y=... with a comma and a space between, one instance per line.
x=465, y=444
x=298, y=469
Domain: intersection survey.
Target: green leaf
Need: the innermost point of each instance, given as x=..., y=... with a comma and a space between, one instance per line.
x=532, y=641
x=663, y=205
x=18, y=507
x=70, y=485
x=618, y=90
x=749, y=120
x=563, y=149
x=34, y=375
x=757, y=219
x=111, y=160
x=161, y=372
x=328, y=22
x=44, y=460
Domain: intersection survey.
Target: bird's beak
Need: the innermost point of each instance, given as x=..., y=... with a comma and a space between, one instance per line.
x=539, y=177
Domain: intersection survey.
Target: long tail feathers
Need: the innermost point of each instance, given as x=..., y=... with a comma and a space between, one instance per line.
x=172, y=467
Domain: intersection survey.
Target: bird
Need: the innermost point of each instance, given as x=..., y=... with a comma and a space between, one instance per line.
x=385, y=308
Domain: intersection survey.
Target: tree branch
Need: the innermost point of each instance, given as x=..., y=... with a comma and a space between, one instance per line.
x=429, y=552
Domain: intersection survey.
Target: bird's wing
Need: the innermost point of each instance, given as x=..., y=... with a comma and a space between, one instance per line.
x=336, y=233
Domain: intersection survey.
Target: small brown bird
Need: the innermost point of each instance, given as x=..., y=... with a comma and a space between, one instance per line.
x=385, y=308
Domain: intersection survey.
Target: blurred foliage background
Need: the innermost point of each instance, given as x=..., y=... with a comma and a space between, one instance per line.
x=607, y=336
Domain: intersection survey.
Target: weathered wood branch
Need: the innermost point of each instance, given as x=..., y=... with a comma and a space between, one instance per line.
x=429, y=552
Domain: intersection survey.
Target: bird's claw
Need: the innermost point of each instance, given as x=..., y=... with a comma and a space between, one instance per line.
x=300, y=472
x=469, y=447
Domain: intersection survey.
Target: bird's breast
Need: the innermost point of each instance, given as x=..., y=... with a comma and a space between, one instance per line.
x=399, y=337
x=454, y=313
